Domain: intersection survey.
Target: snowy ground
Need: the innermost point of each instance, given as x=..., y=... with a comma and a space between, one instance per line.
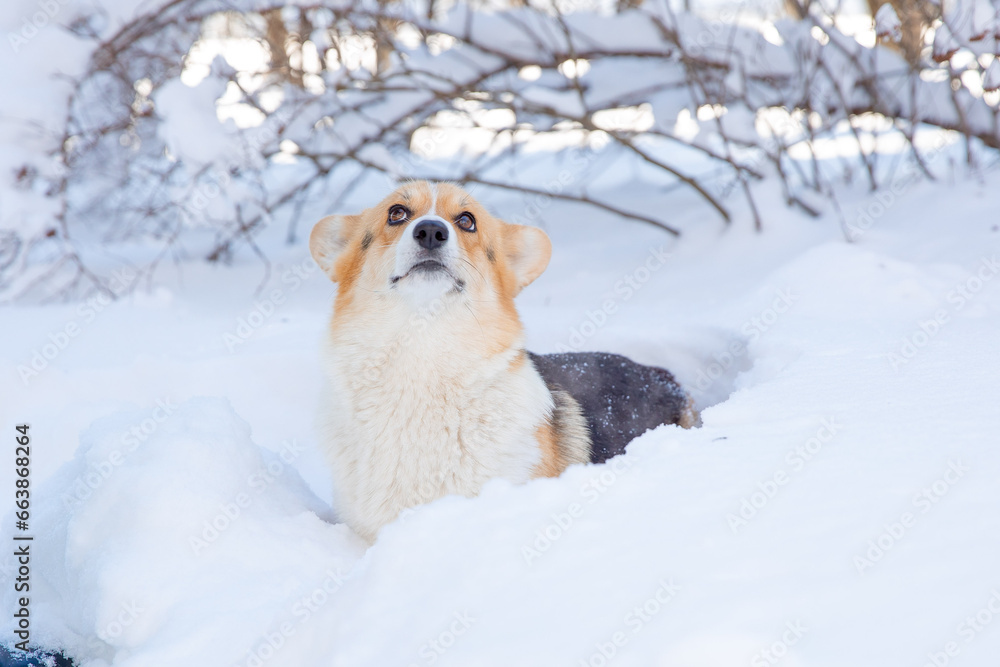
x=838, y=507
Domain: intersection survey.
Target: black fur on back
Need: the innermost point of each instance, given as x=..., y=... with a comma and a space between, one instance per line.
x=620, y=399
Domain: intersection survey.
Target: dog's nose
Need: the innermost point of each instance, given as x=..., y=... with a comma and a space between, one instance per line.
x=430, y=234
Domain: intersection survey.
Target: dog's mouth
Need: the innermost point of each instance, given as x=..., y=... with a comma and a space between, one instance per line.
x=430, y=267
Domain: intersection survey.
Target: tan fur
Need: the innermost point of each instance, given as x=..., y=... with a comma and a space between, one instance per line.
x=565, y=438
x=430, y=389
x=509, y=241
x=552, y=463
x=689, y=417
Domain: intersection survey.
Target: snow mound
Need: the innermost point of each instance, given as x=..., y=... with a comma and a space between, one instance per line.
x=168, y=511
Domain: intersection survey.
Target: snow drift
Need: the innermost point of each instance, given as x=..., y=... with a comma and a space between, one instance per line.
x=837, y=507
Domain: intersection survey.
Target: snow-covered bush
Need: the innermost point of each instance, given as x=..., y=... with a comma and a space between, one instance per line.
x=190, y=127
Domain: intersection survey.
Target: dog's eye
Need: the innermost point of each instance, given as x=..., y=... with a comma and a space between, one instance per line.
x=466, y=221
x=398, y=214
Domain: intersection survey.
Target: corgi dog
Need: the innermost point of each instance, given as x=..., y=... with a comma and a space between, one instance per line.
x=430, y=389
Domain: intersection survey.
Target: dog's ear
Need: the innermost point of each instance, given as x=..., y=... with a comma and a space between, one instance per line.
x=329, y=238
x=527, y=251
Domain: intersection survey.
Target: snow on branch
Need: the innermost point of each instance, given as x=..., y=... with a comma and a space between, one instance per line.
x=162, y=149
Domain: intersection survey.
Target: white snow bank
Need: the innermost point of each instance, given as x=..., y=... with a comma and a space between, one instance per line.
x=839, y=506
x=173, y=539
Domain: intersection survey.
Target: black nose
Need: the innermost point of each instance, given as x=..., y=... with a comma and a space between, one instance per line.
x=430, y=234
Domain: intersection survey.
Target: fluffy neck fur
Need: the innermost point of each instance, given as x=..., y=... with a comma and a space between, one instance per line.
x=426, y=403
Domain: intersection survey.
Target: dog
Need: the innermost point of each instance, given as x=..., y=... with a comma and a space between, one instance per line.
x=430, y=389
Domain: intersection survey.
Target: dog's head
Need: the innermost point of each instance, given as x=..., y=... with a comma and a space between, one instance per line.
x=425, y=241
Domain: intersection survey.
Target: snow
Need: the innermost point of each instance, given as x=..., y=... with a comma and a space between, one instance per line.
x=991, y=79
x=887, y=23
x=143, y=608
x=34, y=52
x=945, y=44
x=189, y=127
x=838, y=505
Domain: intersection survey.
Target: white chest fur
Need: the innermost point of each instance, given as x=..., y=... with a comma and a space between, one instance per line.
x=414, y=413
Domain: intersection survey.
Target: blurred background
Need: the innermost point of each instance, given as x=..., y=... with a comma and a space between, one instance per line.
x=143, y=133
